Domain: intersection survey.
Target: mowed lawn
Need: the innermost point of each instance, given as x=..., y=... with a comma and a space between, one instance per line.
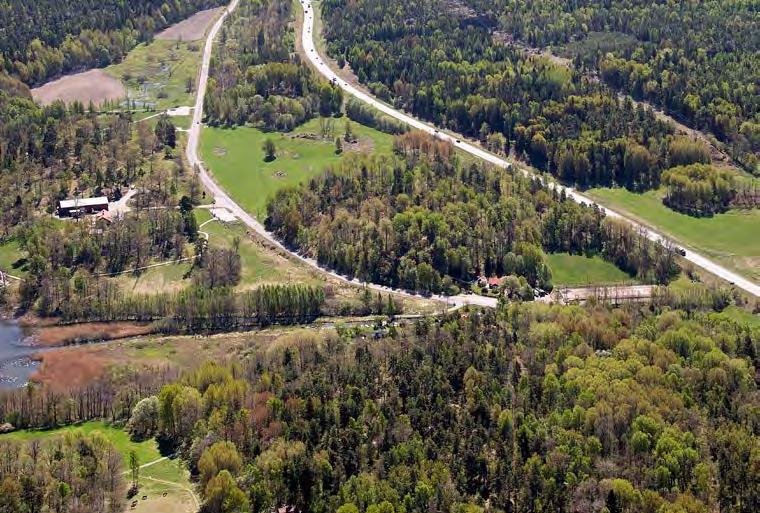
x=578, y=270
x=733, y=238
x=146, y=451
x=236, y=158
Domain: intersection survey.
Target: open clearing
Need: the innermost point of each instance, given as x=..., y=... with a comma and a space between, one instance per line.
x=732, y=239
x=191, y=29
x=578, y=270
x=165, y=278
x=94, y=86
x=259, y=265
x=167, y=488
x=741, y=315
x=236, y=158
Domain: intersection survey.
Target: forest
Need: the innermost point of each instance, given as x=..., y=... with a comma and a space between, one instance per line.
x=454, y=70
x=47, y=38
x=697, y=60
x=423, y=220
x=526, y=408
x=257, y=77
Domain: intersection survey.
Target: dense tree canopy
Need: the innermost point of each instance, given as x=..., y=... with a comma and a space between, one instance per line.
x=68, y=473
x=530, y=408
x=429, y=222
x=454, y=72
x=698, y=60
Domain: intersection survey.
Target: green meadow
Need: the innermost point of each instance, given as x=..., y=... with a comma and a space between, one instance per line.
x=732, y=239
x=578, y=270
x=236, y=158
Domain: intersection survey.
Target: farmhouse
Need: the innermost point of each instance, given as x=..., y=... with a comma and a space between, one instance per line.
x=80, y=206
x=491, y=283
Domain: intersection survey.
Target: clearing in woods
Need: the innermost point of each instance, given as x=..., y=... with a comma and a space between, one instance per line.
x=236, y=158
x=191, y=29
x=579, y=270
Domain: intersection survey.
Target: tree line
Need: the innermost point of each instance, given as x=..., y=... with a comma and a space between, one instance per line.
x=196, y=309
x=426, y=221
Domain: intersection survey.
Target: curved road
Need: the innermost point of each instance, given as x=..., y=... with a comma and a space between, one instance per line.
x=223, y=200
x=319, y=63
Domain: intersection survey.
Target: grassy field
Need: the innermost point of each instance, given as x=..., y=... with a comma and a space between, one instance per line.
x=732, y=239
x=578, y=270
x=167, y=278
x=10, y=256
x=146, y=451
x=741, y=315
x=156, y=73
x=236, y=158
x=259, y=265
x=167, y=488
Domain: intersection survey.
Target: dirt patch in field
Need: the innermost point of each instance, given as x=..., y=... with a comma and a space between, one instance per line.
x=94, y=86
x=176, y=501
x=191, y=29
x=50, y=336
x=364, y=145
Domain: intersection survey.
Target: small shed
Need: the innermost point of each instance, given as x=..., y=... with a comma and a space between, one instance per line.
x=80, y=206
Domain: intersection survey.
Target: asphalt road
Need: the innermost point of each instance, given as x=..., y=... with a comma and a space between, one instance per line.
x=459, y=142
x=222, y=199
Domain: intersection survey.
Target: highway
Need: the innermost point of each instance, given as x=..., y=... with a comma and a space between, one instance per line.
x=223, y=200
x=325, y=70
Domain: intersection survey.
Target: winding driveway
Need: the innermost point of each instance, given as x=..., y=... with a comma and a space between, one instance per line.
x=222, y=199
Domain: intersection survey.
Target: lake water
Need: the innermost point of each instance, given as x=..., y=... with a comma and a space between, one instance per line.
x=15, y=353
